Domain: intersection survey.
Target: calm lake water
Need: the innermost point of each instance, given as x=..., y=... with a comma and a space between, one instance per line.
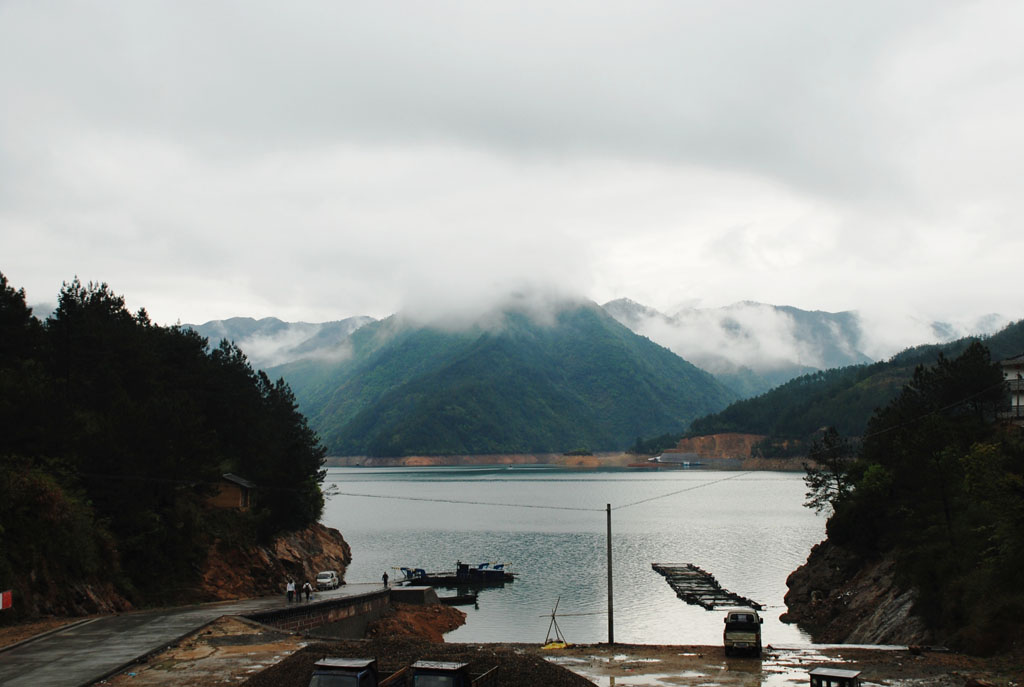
x=748, y=529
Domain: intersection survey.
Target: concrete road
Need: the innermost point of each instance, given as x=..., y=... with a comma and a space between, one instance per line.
x=90, y=651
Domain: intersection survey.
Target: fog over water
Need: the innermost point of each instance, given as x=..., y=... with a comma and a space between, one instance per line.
x=748, y=529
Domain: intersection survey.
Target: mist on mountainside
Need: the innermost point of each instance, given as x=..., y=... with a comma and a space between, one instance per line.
x=269, y=341
x=757, y=346
x=889, y=333
x=749, y=346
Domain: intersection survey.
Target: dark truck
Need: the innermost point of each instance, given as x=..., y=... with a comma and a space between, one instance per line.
x=742, y=631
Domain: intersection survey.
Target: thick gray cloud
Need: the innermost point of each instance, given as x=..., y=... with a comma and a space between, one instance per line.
x=315, y=160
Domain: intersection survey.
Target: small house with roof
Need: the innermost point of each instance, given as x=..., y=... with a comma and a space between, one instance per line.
x=233, y=492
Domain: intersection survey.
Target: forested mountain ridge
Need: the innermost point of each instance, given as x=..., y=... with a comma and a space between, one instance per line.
x=115, y=434
x=843, y=398
x=511, y=383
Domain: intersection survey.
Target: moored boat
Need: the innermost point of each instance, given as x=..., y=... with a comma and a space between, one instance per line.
x=465, y=574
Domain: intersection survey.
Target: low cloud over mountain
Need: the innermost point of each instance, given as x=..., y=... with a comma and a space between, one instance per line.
x=269, y=341
x=755, y=346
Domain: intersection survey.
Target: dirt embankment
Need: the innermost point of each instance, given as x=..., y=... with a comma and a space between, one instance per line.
x=429, y=622
x=838, y=597
x=614, y=459
x=237, y=573
x=54, y=595
x=726, y=445
x=716, y=451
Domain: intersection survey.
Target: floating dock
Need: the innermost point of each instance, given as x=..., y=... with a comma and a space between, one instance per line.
x=699, y=587
x=465, y=575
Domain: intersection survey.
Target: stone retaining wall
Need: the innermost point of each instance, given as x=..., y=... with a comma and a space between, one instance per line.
x=347, y=615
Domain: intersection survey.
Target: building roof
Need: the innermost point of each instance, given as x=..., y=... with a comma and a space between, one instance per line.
x=439, y=665
x=1015, y=360
x=349, y=663
x=835, y=672
x=241, y=481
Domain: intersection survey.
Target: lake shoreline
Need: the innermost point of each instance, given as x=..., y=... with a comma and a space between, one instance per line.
x=597, y=461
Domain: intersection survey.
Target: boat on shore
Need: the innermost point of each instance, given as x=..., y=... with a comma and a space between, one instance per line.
x=482, y=574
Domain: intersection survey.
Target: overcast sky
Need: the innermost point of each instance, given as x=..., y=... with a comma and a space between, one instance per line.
x=316, y=160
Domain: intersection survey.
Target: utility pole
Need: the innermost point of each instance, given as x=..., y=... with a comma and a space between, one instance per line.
x=611, y=615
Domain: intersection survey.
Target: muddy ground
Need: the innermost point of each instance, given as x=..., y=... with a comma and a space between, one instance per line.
x=663, y=666
x=232, y=651
x=237, y=651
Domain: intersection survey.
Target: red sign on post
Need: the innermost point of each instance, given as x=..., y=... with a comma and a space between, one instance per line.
x=5, y=600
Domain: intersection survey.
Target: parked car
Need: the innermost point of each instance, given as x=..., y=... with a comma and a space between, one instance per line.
x=328, y=579
x=742, y=631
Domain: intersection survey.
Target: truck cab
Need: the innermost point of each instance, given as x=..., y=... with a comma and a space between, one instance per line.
x=742, y=631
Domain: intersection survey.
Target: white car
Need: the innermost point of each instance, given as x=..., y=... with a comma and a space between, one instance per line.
x=328, y=579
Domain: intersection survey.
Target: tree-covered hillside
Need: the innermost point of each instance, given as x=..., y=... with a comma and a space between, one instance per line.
x=938, y=486
x=512, y=384
x=116, y=431
x=844, y=398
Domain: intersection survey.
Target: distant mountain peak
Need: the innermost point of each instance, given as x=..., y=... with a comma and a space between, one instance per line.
x=269, y=341
x=517, y=381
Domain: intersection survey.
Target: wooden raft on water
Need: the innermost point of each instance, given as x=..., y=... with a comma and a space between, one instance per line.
x=700, y=588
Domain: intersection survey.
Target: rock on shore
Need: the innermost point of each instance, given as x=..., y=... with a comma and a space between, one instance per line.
x=840, y=598
x=234, y=573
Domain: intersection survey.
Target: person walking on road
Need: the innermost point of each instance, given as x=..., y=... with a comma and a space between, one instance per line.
x=385, y=578
x=290, y=588
x=308, y=589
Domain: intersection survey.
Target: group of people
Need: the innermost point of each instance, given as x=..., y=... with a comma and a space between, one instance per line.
x=296, y=593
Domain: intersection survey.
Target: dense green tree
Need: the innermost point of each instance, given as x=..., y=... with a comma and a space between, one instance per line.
x=827, y=476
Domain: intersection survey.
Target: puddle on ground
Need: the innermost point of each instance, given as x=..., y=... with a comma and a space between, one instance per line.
x=787, y=668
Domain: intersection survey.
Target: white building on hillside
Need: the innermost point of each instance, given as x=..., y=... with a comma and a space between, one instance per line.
x=1013, y=373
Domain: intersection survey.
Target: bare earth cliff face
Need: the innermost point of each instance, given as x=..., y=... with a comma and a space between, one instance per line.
x=840, y=598
x=229, y=573
x=53, y=596
x=233, y=573
x=726, y=445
